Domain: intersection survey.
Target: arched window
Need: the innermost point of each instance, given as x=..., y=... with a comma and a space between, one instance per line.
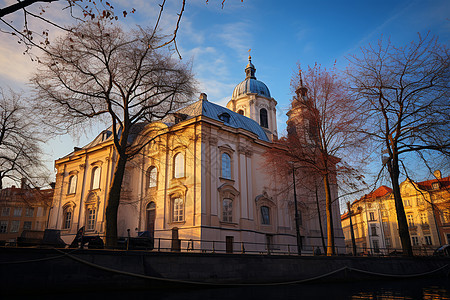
x=226, y=166
x=265, y=215
x=152, y=177
x=95, y=184
x=67, y=217
x=178, y=165
x=264, y=122
x=178, y=210
x=241, y=112
x=72, y=184
x=227, y=210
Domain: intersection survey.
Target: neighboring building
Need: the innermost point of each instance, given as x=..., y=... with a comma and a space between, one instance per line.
x=23, y=209
x=375, y=216
x=203, y=178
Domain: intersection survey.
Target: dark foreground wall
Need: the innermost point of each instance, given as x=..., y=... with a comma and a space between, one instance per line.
x=51, y=269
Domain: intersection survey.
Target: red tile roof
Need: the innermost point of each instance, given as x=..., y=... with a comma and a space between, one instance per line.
x=444, y=183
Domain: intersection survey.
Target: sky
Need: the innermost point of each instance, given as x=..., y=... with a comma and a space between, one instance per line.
x=280, y=34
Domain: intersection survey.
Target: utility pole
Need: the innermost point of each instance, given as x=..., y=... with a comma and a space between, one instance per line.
x=351, y=229
x=299, y=238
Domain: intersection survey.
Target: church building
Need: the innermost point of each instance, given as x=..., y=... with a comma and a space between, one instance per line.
x=202, y=181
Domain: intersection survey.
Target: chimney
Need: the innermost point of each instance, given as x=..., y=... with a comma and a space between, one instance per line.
x=437, y=174
x=203, y=96
x=23, y=183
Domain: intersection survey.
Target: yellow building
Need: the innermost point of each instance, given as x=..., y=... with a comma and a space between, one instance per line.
x=202, y=180
x=374, y=218
x=23, y=209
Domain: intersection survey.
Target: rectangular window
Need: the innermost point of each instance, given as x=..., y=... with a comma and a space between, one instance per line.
x=29, y=211
x=410, y=220
x=3, y=226
x=15, y=225
x=423, y=218
x=39, y=212
x=376, y=246
x=415, y=240
x=6, y=211
x=407, y=202
x=178, y=210
x=388, y=242
x=17, y=211
x=428, y=240
x=37, y=225
x=372, y=216
x=265, y=215
x=373, y=230
x=91, y=220
x=27, y=225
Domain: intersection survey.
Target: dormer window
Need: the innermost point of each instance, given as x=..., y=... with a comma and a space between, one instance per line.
x=435, y=185
x=225, y=117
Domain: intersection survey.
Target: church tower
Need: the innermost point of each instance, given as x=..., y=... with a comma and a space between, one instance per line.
x=252, y=99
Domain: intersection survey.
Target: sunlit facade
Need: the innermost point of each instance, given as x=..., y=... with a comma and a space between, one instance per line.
x=374, y=218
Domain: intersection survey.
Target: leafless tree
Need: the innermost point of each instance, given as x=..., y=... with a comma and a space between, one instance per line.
x=405, y=96
x=20, y=141
x=99, y=71
x=321, y=128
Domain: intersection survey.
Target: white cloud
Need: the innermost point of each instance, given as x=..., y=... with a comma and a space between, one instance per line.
x=237, y=37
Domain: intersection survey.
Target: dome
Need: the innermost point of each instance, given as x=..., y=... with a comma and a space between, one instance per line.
x=250, y=84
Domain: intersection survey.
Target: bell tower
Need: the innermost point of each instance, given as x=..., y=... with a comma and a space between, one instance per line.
x=251, y=98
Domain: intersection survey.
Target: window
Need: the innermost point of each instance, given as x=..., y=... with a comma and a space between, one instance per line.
x=372, y=216
x=428, y=240
x=410, y=220
x=265, y=215
x=373, y=230
x=407, y=202
x=40, y=212
x=264, y=122
x=95, y=184
x=90, y=222
x=376, y=246
x=15, y=226
x=435, y=185
x=3, y=226
x=6, y=211
x=178, y=165
x=415, y=240
x=420, y=201
x=225, y=117
x=423, y=218
x=152, y=177
x=29, y=211
x=17, y=211
x=72, y=184
x=241, y=112
x=226, y=166
x=178, y=210
x=27, y=225
x=227, y=210
x=388, y=242
x=38, y=225
x=67, y=218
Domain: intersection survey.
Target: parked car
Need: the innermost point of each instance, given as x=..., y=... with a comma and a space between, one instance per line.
x=442, y=251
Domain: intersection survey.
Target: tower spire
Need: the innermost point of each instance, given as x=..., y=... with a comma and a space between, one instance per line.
x=250, y=69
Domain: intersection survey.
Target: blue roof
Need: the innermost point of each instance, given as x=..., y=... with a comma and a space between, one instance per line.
x=219, y=113
x=251, y=85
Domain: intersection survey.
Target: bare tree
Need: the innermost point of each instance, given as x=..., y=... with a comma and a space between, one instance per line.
x=99, y=71
x=322, y=127
x=405, y=95
x=20, y=140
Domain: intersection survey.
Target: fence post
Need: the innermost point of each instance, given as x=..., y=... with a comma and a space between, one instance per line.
x=242, y=248
x=289, y=249
x=159, y=244
x=214, y=248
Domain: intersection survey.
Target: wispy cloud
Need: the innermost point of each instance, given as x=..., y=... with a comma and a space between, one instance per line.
x=237, y=37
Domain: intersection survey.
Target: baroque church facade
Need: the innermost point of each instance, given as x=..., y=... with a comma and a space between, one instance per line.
x=201, y=181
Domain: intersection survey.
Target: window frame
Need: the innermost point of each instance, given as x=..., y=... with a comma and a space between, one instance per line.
x=178, y=210
x=263, y=118
x=15, y=226
x=6, y=211
x=95, y=178
x=72, y=185
x=227, y=210
x=265, y=218
x=17, y=212
x=223, y=170
x=29, y=212
x=3, y=226
x=152, y=182
x=91, y=218
x=179, y=165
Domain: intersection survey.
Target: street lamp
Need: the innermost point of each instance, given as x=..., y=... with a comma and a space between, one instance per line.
x=299, y=238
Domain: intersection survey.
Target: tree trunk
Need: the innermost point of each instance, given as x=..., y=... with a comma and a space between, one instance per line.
x=330, y=231
x=403, y=230
x=114, y=201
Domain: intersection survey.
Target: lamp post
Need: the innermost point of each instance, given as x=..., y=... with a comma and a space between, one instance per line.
x=299, y=238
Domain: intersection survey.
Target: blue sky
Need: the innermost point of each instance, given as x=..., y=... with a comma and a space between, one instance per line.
x=280, y=34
